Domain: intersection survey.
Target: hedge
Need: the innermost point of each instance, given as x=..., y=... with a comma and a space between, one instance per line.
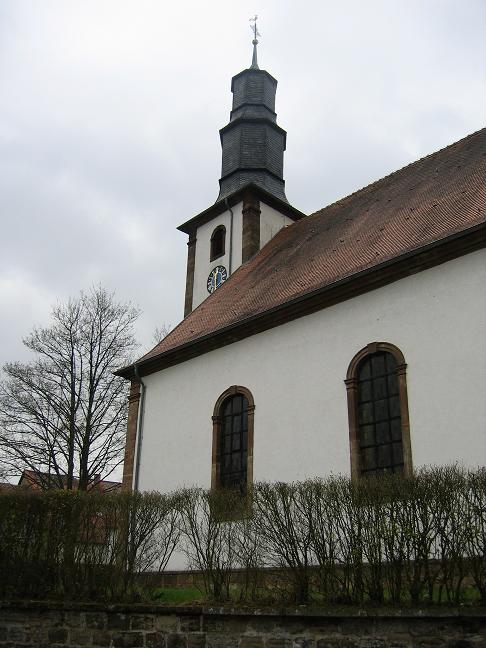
x=387, y=539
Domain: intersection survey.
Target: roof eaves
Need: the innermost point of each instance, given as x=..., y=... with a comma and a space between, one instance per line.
x=237, y=196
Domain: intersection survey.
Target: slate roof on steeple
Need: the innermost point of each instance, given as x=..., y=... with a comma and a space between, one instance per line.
x=437, y=200
x=252, y=143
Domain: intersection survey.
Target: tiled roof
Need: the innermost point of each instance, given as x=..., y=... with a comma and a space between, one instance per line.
x=431, y=199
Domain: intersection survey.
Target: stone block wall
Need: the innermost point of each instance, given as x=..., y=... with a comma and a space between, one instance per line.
x=140, y=626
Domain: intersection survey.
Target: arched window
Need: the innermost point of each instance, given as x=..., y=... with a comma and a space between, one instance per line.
x=379, y=427
x=232, y=457
x=218, y=238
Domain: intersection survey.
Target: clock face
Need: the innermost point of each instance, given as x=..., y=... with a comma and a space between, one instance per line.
x=216, y=278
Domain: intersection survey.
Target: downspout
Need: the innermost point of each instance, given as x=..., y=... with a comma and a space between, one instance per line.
x=230, y=258
x=139, y=426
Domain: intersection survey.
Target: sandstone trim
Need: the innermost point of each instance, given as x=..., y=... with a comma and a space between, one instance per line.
x=131, y=438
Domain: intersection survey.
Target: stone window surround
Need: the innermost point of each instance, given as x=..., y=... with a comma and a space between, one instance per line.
x=216, y=418
x=351, y=383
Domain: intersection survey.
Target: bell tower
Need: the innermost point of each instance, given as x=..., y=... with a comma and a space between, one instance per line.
x=251, y=206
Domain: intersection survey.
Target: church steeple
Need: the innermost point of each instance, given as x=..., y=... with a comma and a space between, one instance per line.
x=252, y=143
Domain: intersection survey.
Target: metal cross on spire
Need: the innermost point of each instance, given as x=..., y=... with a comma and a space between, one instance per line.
x=256, y=33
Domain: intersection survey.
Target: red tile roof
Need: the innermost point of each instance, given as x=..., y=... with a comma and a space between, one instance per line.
x=431, y=199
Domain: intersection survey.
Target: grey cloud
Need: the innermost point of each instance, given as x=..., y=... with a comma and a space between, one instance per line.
x=109, y=118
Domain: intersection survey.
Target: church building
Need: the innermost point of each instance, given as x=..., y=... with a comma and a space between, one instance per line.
x=349, y=341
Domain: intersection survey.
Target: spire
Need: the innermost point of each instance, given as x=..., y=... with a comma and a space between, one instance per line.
x=252, y=143
x=254, y=60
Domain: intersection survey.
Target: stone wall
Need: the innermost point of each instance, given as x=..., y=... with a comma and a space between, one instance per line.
x=140, y=626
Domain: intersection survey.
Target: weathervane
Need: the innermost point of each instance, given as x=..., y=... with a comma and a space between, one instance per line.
x=256, y=33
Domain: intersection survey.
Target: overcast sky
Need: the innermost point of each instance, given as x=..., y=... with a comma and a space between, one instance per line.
x=110, y=111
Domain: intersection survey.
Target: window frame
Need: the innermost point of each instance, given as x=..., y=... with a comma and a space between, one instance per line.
x=234, y=390
x=351, y=383
x=212, y=255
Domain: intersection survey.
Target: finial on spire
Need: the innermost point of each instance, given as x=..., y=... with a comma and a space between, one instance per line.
x=254, y=61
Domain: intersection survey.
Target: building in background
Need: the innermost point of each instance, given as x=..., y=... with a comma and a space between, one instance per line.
x=39, y=481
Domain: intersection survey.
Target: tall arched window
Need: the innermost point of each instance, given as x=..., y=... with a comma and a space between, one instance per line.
x=232, y=458
x=218, y=239
x=378, y=411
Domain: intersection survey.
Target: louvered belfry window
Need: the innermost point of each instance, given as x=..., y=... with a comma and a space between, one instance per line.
x=233, y=447
x=379, y=416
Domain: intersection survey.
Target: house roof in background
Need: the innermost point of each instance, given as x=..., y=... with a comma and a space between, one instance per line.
x=34, y=480
x=5, y=487
x=428, y=201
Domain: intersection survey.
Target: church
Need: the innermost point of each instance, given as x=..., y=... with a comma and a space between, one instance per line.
x=349, y=341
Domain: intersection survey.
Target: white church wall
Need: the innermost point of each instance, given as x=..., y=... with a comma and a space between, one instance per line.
x=271, y=221
x=203, y=265
x=296, y=371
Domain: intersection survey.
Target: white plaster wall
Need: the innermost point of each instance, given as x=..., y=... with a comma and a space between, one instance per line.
x=295, y=373
x=203, y=265
x=271, y=221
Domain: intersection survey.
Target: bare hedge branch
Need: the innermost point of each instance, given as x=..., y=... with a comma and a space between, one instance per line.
x=387, y=539
x=83, y=545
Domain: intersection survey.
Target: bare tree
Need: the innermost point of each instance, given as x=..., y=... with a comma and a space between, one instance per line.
x=161, y=332
x=63, y=414
x=3, y=468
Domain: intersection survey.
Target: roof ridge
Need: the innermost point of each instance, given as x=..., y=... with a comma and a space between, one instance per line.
x=375, y=183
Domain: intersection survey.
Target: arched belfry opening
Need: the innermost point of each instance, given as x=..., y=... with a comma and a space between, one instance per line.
x=218, y=243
